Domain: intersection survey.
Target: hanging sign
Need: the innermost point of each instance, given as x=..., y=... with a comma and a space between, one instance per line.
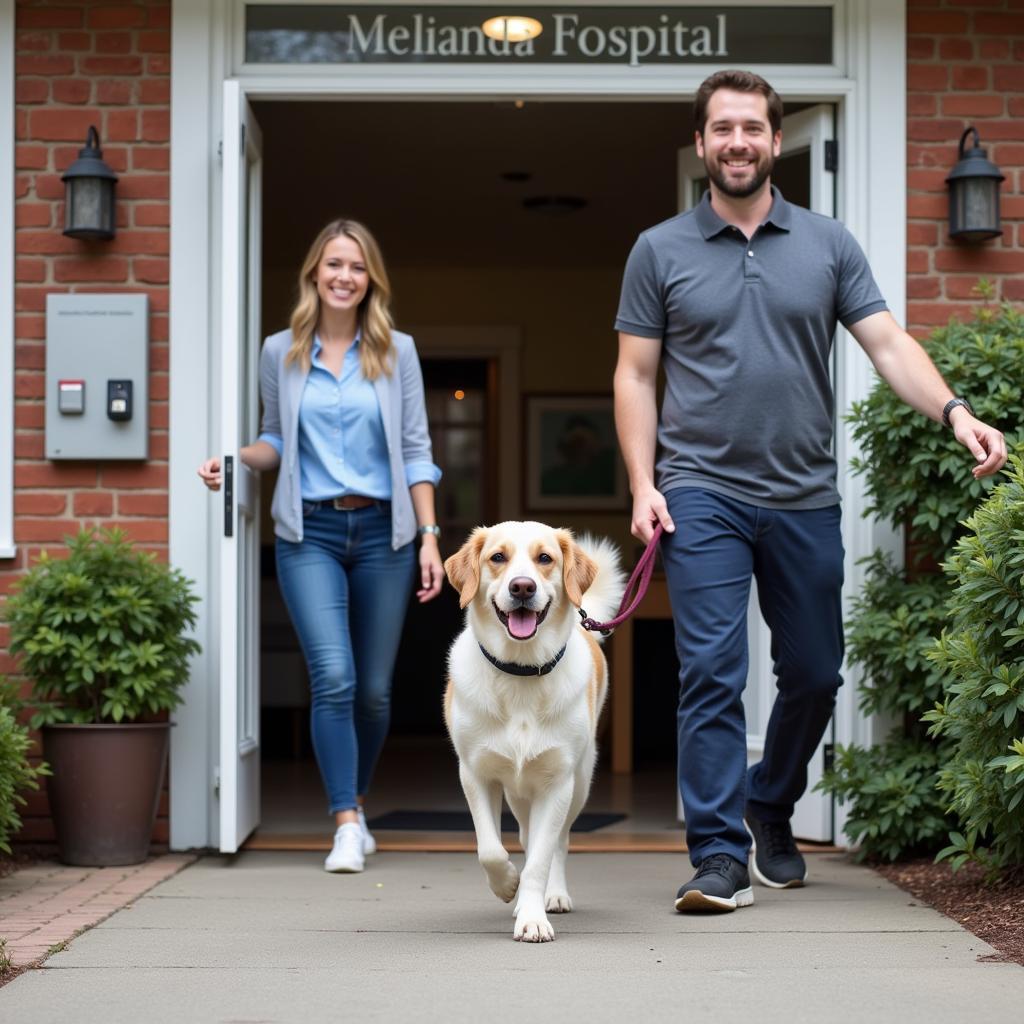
x=737, y=36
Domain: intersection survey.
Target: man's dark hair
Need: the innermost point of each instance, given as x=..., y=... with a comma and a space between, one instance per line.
x=738, y=81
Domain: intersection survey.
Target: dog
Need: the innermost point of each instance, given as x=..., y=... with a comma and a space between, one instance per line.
x=526, y=683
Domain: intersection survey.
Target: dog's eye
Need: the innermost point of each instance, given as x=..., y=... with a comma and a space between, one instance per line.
x=497, y=557
x=544, y=558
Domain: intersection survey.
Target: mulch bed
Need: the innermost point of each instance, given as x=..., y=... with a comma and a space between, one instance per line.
x=992, y=911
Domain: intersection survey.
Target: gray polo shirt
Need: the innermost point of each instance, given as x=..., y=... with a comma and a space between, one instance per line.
x=746, y=332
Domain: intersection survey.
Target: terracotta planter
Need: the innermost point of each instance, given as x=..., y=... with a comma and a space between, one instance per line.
x=105, y=789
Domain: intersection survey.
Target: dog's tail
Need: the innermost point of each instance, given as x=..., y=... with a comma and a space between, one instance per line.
x=602, y=598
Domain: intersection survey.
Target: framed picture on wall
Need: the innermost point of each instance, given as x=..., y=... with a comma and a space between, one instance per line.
x=572, y=458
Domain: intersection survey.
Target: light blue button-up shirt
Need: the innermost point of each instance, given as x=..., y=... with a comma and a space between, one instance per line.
x=342, y=445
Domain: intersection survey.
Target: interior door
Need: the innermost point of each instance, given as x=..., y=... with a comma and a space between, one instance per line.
x=239, y=773
x=802, y=177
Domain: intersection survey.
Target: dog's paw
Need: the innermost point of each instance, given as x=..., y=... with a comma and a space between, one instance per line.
x=533, y=928
x=557, y=902
x=504, y=881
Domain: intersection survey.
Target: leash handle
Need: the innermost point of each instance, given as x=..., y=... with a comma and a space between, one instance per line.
x=639, y=581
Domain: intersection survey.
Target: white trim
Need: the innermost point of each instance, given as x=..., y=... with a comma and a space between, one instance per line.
x=867, y=82
x=7, y=548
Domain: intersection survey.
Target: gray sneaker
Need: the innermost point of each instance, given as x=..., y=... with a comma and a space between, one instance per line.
x=720, y=885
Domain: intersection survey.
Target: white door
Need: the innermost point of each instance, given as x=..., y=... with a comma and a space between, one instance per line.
x=801, y=175
x=239, y=774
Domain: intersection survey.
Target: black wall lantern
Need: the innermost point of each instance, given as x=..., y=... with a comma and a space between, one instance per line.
x=89, y=193
x=974, y=194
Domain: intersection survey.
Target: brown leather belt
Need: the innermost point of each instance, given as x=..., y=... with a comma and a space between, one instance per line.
x=348, y=502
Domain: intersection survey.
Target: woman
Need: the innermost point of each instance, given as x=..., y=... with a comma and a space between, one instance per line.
x=345, y=419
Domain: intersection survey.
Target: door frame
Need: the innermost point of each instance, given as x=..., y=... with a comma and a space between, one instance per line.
x=867, y=83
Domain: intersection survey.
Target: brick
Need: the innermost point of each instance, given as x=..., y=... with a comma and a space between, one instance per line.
x=32, y=42
x=45, y=242
x=922, y=287
x=927, y=77
x=29, y=385
x=150, y=271
x=917, y=261
x=956, y=49
x=115, y=156
x=113, y=42
x=93, y=503
x=159, y=387
x=158, y=331
x=999, y=24
x=26, y=530
x=993, y=49
x=922, y=205
x=159, y=416
x=29, y=355
x=982, y=260
x=935, y=23
x=922, y=104
x=144, y=243
x=72, y=90
x=931, y=156
x=978, y=105
x=29, y=270
x=122, y=126
x=150, y=159
x=50, y=186
x=158, y=446
x=53, y=504
x=1008, y=78
x=142, y=504
x=90, y=268
x=1007, y=154
x=158, y=65
x=108, y=65
x=30, y=417
x=158, y=17
x=1013, y=289
x=76, y=41
x=48, y=17
x=152, y=215
x=130, y=16
x=961, y=287
x=28, y=157
x=927, y=179
x=31, y=90
x=970, y=77
x=50, y=475
x=27, y=326
x=29, y=446
x=933, y=129
x=155, y=90
x=156, y=125
x=33, y=215
x=62, y=125
x=919, y=233
x=58, y=64
x=134, y=476
x=920, y=48
x=114, y=90
x=1001, y=131
x=143, y=529
x=157, y=41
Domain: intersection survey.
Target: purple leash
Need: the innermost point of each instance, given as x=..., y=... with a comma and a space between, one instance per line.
x=641, y=580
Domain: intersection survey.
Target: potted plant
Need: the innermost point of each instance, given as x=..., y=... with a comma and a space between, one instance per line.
x=102, y=635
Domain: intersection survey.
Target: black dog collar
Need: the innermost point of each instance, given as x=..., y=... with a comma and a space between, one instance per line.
x=515, y=669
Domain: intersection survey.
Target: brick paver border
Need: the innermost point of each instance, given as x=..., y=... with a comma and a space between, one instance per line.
x=44, y=906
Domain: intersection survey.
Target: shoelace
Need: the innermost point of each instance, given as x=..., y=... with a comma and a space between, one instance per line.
x=716, y=864
x=777, y=838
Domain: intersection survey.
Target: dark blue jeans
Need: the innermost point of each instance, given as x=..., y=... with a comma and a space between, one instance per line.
x=347, y=591
x=797, y=558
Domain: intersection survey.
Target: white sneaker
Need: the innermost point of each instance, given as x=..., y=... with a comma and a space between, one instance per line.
x=347, y=853
x=369, y=843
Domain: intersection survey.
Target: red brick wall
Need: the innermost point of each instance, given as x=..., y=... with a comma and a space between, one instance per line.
x=82, y=63
x=965, y=66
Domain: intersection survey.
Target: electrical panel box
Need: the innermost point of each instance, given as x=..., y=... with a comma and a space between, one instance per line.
x=97, y=376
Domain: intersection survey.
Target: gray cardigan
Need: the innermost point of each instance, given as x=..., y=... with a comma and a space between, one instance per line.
x=402, y=409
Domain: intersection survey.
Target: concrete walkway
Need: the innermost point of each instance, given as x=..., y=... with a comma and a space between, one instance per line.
x=418, y=937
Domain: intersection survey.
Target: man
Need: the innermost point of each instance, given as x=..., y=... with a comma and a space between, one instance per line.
x=739, y=298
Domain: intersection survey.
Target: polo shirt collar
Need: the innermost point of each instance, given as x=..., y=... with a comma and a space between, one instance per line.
x=710, y=224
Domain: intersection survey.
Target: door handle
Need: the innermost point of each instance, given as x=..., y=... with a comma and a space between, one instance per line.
x=229, y=495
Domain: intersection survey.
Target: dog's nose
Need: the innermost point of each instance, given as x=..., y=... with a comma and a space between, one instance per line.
x=522, y=588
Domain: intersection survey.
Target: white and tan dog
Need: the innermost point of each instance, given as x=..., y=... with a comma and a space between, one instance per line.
x=526, y=685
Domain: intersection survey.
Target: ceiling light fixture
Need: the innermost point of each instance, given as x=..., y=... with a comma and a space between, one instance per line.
x=512, y=28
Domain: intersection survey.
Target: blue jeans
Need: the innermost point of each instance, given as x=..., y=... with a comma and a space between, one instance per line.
x=347, y=591
x=797, y=558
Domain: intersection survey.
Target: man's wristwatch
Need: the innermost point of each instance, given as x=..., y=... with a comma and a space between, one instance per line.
x=951, y=405
x=430, y=528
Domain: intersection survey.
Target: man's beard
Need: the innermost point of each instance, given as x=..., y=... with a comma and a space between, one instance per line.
x=740, y=190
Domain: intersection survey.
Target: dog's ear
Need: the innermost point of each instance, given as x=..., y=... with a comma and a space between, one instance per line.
x=463, y=568
x=578, y=568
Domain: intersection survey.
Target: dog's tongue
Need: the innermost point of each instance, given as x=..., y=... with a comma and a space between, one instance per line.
x=522, y=623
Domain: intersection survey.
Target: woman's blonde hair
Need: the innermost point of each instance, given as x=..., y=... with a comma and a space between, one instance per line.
x=375, y=347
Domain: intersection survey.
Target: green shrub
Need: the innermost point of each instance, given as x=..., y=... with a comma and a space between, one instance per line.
x=16, y=773
x=919, y=474
x=895, y=810
x=982, y=656
x=101, y=633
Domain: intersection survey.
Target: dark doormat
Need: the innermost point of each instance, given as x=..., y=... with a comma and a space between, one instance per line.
x=461, y=821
